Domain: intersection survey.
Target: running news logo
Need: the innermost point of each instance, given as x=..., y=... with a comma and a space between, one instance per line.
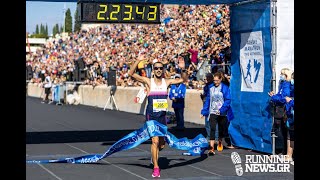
x=261, y=163
x=236, y=159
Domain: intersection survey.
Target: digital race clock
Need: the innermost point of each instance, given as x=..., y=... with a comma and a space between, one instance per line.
x=107, y=12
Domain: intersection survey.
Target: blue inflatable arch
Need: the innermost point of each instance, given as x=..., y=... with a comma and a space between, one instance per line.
x=253, y=44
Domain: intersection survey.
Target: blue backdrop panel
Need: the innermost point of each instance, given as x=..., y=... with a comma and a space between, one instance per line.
x=252, y=125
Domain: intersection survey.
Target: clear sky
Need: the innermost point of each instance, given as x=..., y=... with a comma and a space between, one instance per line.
x=49, y=13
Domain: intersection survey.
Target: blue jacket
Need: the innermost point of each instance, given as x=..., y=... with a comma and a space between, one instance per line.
x=284, y=90
x=292, y=90
x=206, y=90
x=225, y=109
x=290, y=112
x=178, y=91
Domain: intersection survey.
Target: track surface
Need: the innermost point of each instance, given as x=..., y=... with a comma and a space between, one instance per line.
x=54, y=132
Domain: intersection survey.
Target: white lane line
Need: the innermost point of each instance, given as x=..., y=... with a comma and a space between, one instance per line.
x=70, y=127
x=32, y=128
x=50, y=172
x=187, y=165
x=109, y=163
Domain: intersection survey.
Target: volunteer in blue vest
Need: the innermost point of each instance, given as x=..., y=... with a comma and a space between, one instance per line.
x=157, y=93
x=177, y=95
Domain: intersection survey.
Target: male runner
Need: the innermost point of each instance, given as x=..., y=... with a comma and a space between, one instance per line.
x=157, y=92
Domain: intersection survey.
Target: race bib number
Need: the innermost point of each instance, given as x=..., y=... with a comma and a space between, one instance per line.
x=160, y=105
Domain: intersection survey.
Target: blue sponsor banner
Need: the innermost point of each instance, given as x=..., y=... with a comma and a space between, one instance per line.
x=251, y=76
x=151, y=128
x=57, y=93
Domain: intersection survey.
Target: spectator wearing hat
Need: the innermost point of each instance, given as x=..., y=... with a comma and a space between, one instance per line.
x=177, y=95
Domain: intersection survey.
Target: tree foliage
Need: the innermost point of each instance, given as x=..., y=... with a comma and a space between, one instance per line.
x=77, y=24
x=68, y=21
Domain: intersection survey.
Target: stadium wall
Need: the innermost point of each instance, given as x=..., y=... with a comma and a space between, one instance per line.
x=124, y=97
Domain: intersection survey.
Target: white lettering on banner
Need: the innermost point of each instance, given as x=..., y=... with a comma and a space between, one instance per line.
x=252, y=62
x=132, y=140
x=170, y=140
x=197, y=150
x=184, y=143
x=89, y=160
x=33, y=161
x=203, y=140
x=153, y=128
x=197, y=143
x=142, y=135
x=70, y=160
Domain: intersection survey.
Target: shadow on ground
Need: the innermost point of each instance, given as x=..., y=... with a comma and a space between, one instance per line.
x=106, y=136
x=164, y=162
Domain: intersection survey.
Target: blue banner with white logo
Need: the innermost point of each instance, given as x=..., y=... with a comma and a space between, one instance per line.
x=251, y=75
x=57, y=93
x=151, y=128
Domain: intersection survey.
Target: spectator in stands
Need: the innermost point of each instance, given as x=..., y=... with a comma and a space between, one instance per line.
x=113, y=45
x=194, y=55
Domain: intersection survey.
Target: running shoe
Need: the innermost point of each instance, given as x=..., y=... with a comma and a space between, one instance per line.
x=211, y=152
x=220, y=146
x=156, y=172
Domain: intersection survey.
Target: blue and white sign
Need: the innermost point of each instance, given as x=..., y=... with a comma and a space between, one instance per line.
x=252, y=62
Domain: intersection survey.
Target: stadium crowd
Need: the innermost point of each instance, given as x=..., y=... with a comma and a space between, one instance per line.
x=188, y=36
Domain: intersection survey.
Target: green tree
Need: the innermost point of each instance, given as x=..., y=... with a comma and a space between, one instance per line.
x=46, y=30
x=37, y=29
x=68, y=21
x=42, y=31
x=38, y=36
x=61, y=29
x=55, y=29
x=77, y=23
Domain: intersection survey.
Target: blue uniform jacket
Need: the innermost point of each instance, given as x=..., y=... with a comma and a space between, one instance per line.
x=284, y=90
x=290, y=112
x=225, y=109
x=178, y=91
x=292, y=90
